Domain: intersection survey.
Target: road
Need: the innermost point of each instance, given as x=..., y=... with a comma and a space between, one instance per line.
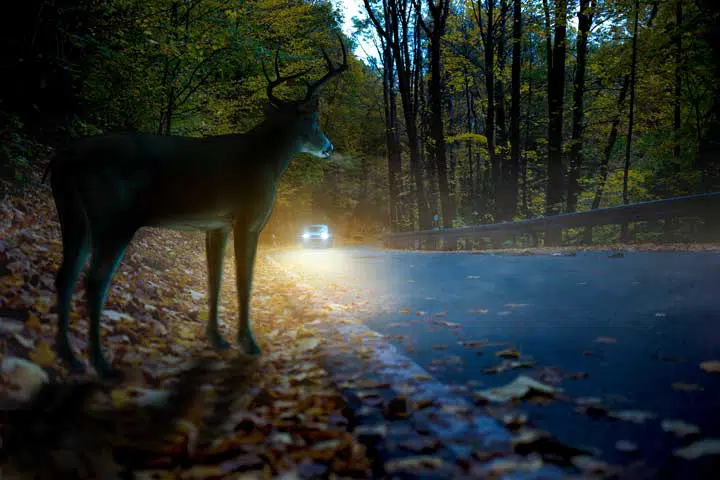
x=629, y=327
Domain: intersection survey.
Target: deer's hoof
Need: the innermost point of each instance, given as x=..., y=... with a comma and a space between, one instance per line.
x=106, y=371
x=217, y=341
x=249, y=345
x=110, y=374
x=73, y=364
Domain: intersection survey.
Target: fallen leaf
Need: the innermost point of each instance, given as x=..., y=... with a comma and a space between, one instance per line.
x=687, y=387
x=509, y=365
x=43, y=355
x=591, y=465
x=116, y=316
x=33, y=322
x=23, y=376
x=679, y=428
x=447, y=324
x=626, y=446
x=606, y=340
x=711, y=366
x=708, y=446
x=371, y=432
x=413, y=464
x=307, y=344
x=24, y=341
x=420, y=444
x=634, y=416
x=11, y=326
x=518, y=388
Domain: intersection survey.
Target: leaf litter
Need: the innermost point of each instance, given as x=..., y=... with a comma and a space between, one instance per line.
x=280, y=417
x=264, y=418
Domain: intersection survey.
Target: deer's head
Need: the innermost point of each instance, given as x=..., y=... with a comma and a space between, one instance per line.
x=301, y=116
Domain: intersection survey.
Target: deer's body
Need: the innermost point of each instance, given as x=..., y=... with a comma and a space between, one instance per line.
x=107, y=187
x=148, y=180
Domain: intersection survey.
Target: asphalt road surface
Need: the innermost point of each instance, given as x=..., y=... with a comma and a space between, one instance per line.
x=627, y=327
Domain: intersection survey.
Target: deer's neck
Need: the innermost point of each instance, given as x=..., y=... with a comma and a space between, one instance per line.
x=277, y=144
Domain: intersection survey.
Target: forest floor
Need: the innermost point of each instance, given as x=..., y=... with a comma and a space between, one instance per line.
x=184, y=410
x=284, y=417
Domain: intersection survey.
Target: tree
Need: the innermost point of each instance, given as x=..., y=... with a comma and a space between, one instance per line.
x=556, y=91
x=487, y=36
x=631, y=114
x=438, y=13
x=585, y=18
x=400, y=38
x=515, y=147
x=677, y=107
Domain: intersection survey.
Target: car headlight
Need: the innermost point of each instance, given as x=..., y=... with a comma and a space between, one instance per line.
x=324, y=235
x=306, y=235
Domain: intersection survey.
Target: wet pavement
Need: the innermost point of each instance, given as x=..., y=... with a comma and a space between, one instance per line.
x=621, y=332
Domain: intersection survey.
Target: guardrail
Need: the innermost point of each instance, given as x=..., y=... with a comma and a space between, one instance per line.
x=704, y=209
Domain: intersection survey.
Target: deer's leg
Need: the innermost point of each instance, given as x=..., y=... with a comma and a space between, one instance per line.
x=75, y=253
x=245, y=248
x=215, y=242
x=108, y=251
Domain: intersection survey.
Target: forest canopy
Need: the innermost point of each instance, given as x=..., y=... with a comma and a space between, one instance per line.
x=475, y=111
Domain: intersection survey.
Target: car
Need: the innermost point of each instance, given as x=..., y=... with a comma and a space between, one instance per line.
x=317, y=236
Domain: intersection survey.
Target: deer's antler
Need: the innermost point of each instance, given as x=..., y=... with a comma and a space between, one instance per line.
x=279, y=80
x=332, y=71
x=312, y=87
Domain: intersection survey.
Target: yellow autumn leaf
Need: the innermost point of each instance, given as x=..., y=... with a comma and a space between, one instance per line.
x=43, y=355
x=120, y=398
x=711, y=366
x=33, y=322
x=308, y=344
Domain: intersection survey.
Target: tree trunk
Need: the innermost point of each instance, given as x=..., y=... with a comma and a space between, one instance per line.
x=578, y=114
x=470, y=126
x=609, y=146
x=392, y=141
x=678, y=79
x=631, y=116
x=396, y=33
x=514, y=165
x=488, y=39
x=556, y=88
x=501, y=196
x=439, y=13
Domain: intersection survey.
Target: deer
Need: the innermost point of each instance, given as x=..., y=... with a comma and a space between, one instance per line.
x=107, y=187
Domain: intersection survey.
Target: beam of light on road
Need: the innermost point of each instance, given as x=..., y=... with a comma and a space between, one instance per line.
x=346, y=276
x=328, y=262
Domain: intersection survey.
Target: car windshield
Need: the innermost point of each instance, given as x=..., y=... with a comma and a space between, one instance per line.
x=317, y=228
